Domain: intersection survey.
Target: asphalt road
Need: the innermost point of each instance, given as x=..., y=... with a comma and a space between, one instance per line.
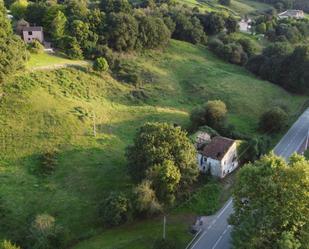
x=217, y=234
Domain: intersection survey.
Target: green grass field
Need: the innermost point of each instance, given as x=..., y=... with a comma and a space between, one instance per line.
x=54, y=109
x=45, y=60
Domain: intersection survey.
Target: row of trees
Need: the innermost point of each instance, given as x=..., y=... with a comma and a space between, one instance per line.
x=288, y=4
x=78, y=28
x=281, y=64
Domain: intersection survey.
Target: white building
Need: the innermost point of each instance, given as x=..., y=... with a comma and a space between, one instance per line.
x=30, y=34
x=297, y=14
x=219, y=157
x=245, y=25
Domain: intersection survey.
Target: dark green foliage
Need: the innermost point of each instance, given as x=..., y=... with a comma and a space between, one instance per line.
x=36, y=13
x=213, y=23
x=100, y=64
x=115, y=209
x=165, y=244
x=122, y=31
x=273, y=121
x=225, y=2
x=248, y=46
x=48, y=162
x=70, y=46
x=76, y=9
x=188, y=29
x=15, y=50
x=115, y=6
x=271, y=205
x=19, y=9
x=231, y=25
x=152, y=32
x=212, y=114
x=155, y=143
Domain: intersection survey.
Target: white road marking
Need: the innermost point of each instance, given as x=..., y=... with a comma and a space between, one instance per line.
x=221, y=236
x=213, y=222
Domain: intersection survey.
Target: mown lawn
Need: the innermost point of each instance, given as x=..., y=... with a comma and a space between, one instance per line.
x=55, y=109
x=48, y=60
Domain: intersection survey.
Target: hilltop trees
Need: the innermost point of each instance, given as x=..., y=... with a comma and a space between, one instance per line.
x=271, y=204
x=162, y=154
x=15, y=50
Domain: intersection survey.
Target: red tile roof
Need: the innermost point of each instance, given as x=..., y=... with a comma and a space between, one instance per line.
x=218, y=147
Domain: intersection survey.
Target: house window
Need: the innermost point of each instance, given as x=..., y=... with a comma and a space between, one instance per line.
x=29, y=39
x=205, y=159
x=30, y=33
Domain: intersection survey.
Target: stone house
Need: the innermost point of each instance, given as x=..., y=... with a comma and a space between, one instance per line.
x=219, y=157
x=29, y=34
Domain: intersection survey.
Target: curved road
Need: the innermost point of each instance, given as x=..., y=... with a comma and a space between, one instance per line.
x=216, y=235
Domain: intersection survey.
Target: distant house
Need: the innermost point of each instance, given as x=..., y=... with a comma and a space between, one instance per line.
x=297, y=14
x=219, y=157
x=201, y=138
x=245, y=25
x=29, y=34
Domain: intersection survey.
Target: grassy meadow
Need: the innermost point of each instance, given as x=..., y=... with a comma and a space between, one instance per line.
x=59, y=109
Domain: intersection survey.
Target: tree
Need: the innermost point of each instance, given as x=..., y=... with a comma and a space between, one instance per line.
x=261, y=28
x=15, y=49
x=76, y=9
x=146, y=201
x=271, y=204
x=115, y=6
x=36, y=12
x=45, y=233
x=273, y=120
x=212, y=114
x=115, y=209
x=122, y=31
x=155, y=143
x=152, y=32
x=213, y=23
x=6, y=244
x=165, y=180
x=71, y=47
x=100, y=64
x=19, y=8
x=58, y=25
x=231, y=25
x=36, y=47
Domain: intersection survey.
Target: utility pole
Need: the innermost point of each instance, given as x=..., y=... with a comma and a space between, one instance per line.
x=164, y=227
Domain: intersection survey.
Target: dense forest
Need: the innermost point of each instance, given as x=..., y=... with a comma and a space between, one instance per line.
x=288, y=4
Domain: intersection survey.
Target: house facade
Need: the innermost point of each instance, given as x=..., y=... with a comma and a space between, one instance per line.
x=219, y=157
x=297, y=14
x=30, y=34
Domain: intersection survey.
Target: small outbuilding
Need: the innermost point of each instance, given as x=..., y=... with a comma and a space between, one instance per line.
x=219, y=157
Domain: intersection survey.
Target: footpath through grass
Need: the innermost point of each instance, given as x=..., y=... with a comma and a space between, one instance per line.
x=40, y=110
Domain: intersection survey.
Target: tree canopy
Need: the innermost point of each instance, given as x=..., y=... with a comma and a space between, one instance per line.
x=271, y=204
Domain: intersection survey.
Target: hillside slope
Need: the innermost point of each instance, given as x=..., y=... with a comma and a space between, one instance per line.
x=58, y=109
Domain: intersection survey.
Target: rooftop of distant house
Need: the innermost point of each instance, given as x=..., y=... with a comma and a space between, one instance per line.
x=292, y=13
x=218, y=147
x=34, y=28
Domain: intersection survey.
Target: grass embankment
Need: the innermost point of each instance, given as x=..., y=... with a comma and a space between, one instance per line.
x=54, y=109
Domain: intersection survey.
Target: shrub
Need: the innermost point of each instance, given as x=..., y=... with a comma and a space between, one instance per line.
x=115, y=209
x=6, y=244
x=48, y=162
x=36, y=47
x=146, y=201
x=273, y=120
x=45, y=233
x=100, y=64
x=212, y=114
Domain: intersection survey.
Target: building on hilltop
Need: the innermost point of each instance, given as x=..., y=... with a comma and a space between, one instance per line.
x=297, y=14
x=219, y=157
x=29, y=34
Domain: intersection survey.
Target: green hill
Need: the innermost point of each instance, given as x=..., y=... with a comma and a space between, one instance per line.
x=58, y=109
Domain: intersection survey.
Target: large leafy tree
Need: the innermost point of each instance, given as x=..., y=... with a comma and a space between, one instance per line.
x=271, y=204
x=153, y=145
x=122, y=31
x=12, y=50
